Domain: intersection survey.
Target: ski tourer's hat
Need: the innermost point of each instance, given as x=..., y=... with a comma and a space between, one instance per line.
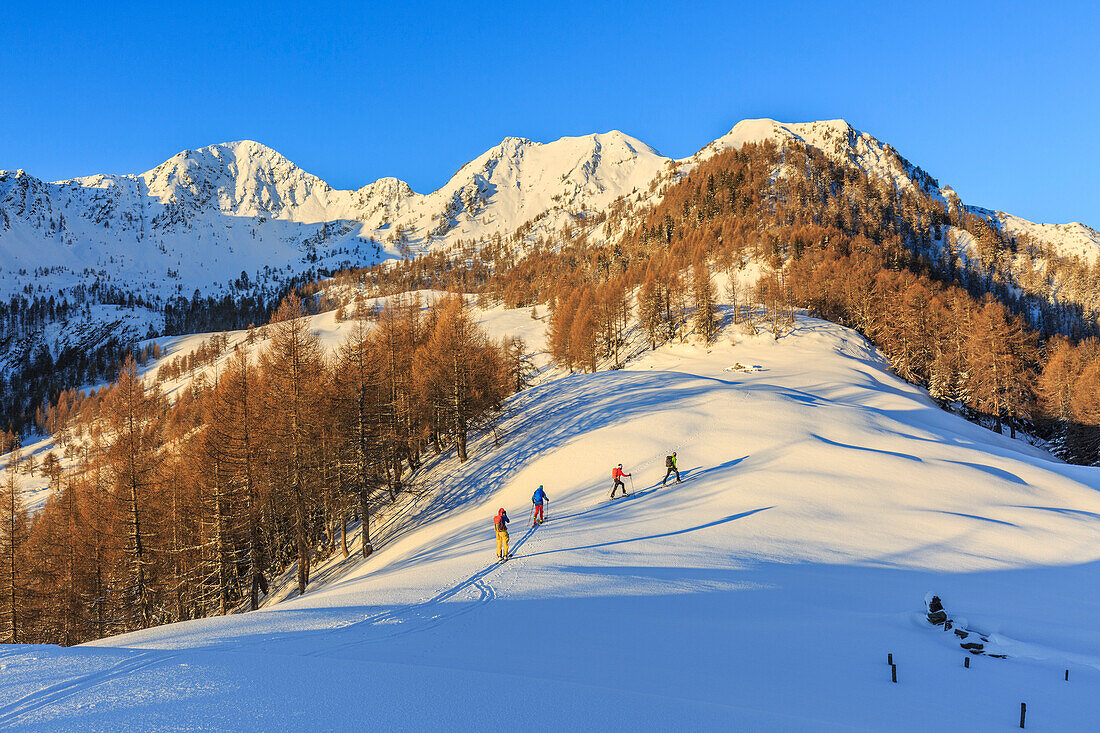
x=620, y=465
x=673, y=452
x=540, y=486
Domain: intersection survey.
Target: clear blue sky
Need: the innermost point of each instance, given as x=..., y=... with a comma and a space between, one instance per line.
x=1000, y=100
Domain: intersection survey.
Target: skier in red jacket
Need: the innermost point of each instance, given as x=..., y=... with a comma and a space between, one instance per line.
x=617, y=474
x=500, y=523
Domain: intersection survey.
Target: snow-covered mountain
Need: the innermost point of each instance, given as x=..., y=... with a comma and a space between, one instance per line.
x=844, y=144
x=240, y=219
x=202, y=217
x=195, y=221
x=520, y=182
x=1071, y=240
x=836, y=139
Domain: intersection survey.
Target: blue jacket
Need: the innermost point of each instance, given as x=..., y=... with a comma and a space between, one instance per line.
x=539, y=497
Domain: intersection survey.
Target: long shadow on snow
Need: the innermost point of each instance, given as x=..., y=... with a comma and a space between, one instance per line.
x=425, y=614
x=606, y=505
x=556, y=413
x=472, y=539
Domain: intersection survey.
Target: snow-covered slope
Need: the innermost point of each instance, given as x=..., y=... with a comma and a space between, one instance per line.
x=1069, y=240
x=823, y=497
x=197, y=221
x=521, y=181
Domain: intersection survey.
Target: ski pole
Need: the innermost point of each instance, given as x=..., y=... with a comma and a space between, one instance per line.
x=631, y=484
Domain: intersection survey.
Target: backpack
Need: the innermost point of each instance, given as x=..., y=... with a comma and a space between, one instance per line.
x=496, y=523
x=668, y=461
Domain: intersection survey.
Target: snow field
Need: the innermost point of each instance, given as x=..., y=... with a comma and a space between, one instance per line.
x=823, y=497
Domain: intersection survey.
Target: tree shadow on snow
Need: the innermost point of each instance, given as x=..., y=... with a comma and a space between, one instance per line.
x=541, y=420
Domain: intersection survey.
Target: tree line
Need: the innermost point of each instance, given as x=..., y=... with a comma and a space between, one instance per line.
x=178, y=509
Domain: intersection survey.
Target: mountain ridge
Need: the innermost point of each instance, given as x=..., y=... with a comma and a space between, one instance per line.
x=212, y=237
x=538, y=181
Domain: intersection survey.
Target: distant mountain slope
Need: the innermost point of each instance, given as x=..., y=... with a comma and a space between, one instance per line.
x=1070, y=240
x=520, y=181
x=194, y=222
x=202, y=217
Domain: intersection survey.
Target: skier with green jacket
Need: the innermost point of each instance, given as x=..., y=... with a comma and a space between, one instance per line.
x=670, y=464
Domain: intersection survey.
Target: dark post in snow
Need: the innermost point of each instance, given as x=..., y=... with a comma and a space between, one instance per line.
x=966, y=662
x=1067, y=675
x=893, y=673
x=1023, y=712
x=890, y=658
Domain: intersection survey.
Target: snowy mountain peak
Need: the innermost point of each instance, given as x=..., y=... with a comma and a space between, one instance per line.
x=759, y=130
x=520, y=181
x=388, y=186
x=838, y=140
x=378, y=204
x=243, y=178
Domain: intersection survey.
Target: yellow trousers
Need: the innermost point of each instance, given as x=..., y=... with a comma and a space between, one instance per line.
x=502, y=543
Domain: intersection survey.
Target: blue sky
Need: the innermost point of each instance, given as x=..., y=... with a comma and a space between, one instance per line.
x=1000, y=100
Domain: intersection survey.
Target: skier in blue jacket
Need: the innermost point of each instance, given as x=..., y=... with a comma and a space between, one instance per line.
x=538, y=499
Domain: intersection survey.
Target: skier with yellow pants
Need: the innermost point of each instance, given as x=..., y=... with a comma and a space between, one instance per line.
x=500, y=522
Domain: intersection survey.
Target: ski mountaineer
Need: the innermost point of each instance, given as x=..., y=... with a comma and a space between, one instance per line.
x=537, y=499
x=670, y=464
x=617, y=474
x=500, y=522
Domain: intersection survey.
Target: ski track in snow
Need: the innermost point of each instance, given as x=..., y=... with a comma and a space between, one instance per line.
x=416, y=617
x=80, y=685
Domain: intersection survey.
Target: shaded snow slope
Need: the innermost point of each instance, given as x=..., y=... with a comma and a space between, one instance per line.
x=823, y=497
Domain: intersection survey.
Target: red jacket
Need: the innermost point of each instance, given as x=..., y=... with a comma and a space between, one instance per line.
x=618, y=473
